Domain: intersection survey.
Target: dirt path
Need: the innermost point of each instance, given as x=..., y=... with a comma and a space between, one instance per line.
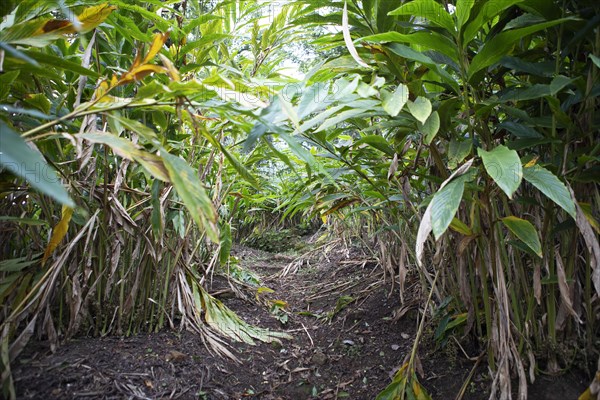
x=349, y=334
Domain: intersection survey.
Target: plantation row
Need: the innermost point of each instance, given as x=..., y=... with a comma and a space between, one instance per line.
x=457, y=141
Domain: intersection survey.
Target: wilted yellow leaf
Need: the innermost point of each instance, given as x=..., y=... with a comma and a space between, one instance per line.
x=91, y=17
x=157, y=43
x=140, y=72
x=58, y=233
x=532, y=162
x=279, y=303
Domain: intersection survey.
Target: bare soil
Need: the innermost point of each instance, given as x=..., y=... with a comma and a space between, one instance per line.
x=338, y=350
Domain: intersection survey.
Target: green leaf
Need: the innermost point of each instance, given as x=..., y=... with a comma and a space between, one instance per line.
x=411, y=54
x=486, y=13
x=135, y=126
x=445, y=204
x=157, y=217
x=504, y=166
x=313, y=99
x=431, y=127
x=239, y=167
x=551, y=186
x=26, y=221
x=595, y=60
x=27, y=163
x=341, y=117
x=393, y=103
x=525, y=231
x=289, y=110
x=501, y=45
x=392, y=391
x=420, y=109
x=192, y=192
x=226, y=244
x=126, y=149
x=429, y=10
x=520, y=130
x=6, y=80
x=54, y=61
x=376, y=142
x=463, y=11
x=427, y=39
x=18, y=54
x=17, y=264
x=39, y=101
x=458, y=150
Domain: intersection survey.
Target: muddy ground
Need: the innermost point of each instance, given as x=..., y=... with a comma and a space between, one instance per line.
x=350, y=334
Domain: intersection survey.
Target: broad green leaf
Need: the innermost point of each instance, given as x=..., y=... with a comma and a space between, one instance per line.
x=460, y=227
x=426, y=225
x=157, y=217
x=525, y=231
x=344, y=88
x=226, y=244
x=299, y=150
x=428, y=9
x=538, y=90
x=313, y=99
x=17, y=264
x=504, y=166
x=54, y=61
x=520, y=130
x=239, y=167
x=420, y=109
x=135, y=126
x=341, y=117
x=411, y=54
x=392, y=391
x=290, y=112
x=458, y=150
x=393, y=103
x=192, y=192
x=595, y=60
x=545, y=69
x=463, y=11
x=501, y=45
x=376, y=142
x=27, y=163
x=486, y=13
x=551, y=186
x=126, y=149
x=26, y=221
x=39, y=101
x=18, y=54
x=424, y=39
x=445, y=204
x=431, y=127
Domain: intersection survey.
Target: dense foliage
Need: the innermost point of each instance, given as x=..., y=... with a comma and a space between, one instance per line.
x=172, y=124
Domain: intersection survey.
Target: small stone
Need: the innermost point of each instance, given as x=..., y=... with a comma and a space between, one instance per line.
x=348, y=342
x=395, y=347
x=319, y=358
x=175, y=356
x=404, y=335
